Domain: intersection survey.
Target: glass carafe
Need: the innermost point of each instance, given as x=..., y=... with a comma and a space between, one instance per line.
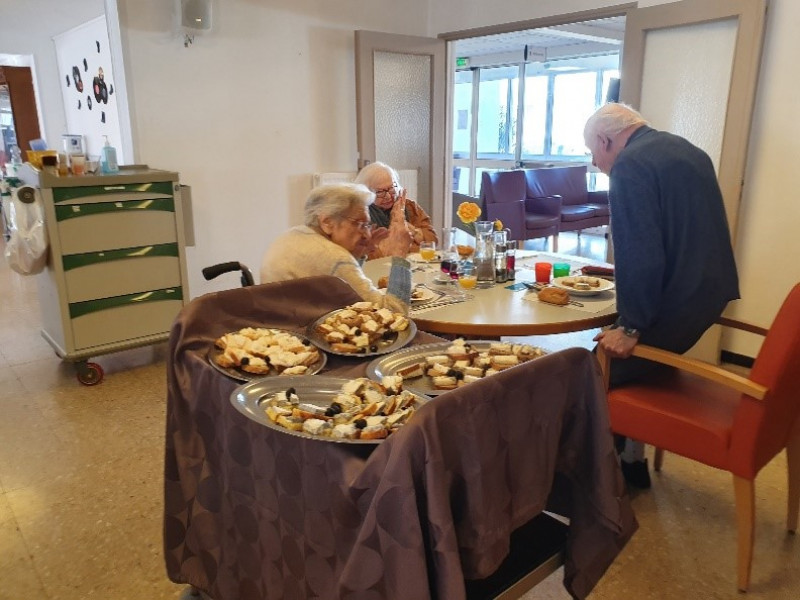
x=484, y=253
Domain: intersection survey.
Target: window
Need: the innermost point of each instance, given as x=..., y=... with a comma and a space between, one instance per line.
x=520, y=114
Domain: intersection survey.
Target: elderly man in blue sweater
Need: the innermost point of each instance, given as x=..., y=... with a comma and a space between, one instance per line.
x=674, y=265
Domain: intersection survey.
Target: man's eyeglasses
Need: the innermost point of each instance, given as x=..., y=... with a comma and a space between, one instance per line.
x=362, y=225
x=390, y=191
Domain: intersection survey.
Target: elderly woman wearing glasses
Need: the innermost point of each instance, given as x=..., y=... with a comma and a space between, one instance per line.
x=383, y=180
x=336, y=238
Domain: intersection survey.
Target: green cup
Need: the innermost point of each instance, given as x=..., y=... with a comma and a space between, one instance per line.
x=560, y=270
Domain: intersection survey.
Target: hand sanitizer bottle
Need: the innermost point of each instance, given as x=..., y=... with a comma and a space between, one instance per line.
x=108, y=159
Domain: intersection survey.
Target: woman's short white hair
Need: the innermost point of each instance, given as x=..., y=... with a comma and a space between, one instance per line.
x=373, y=171
x=611, y=119
x=335, y=200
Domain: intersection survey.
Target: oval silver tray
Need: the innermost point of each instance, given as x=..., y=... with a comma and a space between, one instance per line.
x=244, y=376
x=318, y=390
x=389, y=365
x=402, y=339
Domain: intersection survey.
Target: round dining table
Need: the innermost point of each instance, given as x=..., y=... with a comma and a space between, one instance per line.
x=499, y=311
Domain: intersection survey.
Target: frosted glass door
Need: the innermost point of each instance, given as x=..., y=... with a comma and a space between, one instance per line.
x=691, y=68
x=400, y=105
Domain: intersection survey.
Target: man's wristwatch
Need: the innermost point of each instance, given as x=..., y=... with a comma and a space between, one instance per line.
x=630, y=332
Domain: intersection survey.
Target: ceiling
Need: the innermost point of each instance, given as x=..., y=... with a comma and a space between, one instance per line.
x=587, y=38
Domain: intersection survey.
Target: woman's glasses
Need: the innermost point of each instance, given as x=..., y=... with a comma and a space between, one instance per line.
x=365, y=226
x=390, y=191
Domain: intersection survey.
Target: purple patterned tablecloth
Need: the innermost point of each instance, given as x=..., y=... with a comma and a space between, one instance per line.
x=252, y=513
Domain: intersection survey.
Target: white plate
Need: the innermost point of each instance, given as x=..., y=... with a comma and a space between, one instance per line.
x=422, y=294
x=604, y=286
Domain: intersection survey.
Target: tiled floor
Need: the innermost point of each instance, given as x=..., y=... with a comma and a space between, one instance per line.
x=81, y=476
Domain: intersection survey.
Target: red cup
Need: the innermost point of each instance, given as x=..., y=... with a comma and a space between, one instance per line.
x=543, y=270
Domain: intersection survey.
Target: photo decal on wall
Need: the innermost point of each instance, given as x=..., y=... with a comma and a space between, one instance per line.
x=84, y=62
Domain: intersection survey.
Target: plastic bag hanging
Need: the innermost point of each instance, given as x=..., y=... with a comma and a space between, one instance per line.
x=26, y=250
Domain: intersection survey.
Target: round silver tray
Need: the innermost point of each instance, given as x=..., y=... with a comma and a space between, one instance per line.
x=403, y=338
x=392, y=363
x=318, y=390
x=244, y=376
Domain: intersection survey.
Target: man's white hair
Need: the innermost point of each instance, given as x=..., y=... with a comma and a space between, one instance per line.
x=612, y=119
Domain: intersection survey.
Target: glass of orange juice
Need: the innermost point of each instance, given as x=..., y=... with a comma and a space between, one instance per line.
x=427, y=250
x=467, y=277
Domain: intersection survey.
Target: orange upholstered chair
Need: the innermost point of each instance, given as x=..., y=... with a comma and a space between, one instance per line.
x=715, y=417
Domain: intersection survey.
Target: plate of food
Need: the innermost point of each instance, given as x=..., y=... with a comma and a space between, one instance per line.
x=329, y=409
x=361, y=329
x=583, y=285
x=421, y=294
x=433, y=369
x=256, y=352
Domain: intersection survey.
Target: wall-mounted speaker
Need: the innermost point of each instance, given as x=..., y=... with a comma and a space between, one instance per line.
x=196, y=14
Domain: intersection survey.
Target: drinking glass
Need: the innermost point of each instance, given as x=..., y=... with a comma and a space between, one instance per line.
x=542, y=270
x=427, y=250
x=77, y=163
x=560, y=269
x=467, y=277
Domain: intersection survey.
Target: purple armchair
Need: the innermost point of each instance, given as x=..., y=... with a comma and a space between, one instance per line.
x=504, y=197
x=580, y=208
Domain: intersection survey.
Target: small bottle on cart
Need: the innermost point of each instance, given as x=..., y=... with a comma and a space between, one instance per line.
x=108, y=159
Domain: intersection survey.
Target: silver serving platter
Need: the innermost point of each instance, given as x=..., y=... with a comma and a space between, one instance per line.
x=318, y=390
x=244, y=376
x=402, y=339
x=390, y=364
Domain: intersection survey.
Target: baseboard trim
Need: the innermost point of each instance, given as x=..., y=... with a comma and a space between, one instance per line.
x=736, y=359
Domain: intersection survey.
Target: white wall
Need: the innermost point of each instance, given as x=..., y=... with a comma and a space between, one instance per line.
x=768, y=242
x=250, y=110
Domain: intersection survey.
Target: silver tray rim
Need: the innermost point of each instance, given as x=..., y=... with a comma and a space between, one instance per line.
x=416, y=354
x=403, y=338
x=247, y=398
x=245, y=377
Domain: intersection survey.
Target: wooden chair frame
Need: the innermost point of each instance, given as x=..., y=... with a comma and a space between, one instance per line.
x=744, y=489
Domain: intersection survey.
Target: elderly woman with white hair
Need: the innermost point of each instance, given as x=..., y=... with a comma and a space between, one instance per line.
x=335, y=239
x=383, y=180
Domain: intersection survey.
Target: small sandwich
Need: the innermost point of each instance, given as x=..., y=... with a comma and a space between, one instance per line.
x=274, y=412
x=392, y=383
x=374, y=432
x=256, y=365
x=290, y=422
x=360, y=306
x=439, y=369
x=411, y=371
x=445, y=382
x=437, y=359
x=399, y=324
x=316, y=426
x=344, y=431
x=504, y=361
x=499, y=348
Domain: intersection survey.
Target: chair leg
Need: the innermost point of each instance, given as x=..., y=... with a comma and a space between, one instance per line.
x=744, y=492
x=793, y=465
x=555, y=242
x=658, y=459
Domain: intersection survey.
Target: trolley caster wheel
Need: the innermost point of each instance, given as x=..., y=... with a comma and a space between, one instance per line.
x=89, y=373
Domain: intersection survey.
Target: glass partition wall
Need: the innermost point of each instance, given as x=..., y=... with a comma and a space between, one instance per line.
x=526, y=115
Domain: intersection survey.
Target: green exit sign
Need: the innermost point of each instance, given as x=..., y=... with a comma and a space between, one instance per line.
x=462, y=63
